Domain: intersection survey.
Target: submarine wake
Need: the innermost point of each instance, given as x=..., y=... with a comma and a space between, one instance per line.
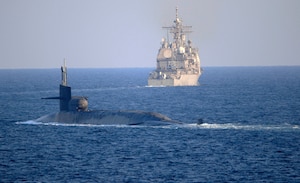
x=191, y=126
x=238, y=126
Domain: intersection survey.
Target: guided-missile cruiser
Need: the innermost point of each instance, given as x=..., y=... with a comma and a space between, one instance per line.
x=178, y=62
x=74, y=110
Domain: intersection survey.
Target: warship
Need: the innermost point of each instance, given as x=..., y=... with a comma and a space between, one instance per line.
x=178, y=62
x=74, y=110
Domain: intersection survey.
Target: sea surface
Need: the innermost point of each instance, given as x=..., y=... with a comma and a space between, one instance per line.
x=250, y=130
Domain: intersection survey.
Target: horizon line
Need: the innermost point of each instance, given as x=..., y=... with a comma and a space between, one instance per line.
x=32, y=68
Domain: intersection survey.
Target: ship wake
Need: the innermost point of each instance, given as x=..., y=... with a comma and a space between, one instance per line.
x=238, y=126
x=192, y=126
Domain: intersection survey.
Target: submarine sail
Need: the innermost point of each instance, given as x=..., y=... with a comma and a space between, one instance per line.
x=64, y=90
x=67, y=101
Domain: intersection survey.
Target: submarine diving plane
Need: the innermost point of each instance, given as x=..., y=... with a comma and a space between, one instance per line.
x=74, y=110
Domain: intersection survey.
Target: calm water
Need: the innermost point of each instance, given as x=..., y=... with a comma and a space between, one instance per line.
x=250, y=133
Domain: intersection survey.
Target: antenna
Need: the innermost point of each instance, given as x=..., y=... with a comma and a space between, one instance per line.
x=168, y=36
x=176, y=12
x=64, y=74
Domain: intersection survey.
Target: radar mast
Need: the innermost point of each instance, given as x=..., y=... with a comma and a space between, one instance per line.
x=64, y=74
x=178, y=30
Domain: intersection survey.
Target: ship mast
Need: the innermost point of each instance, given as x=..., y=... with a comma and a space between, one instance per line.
x=64, y=74
x=178, y=31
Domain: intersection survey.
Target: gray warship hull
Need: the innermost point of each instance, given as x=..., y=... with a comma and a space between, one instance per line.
x=184, y=80
x=178, y=62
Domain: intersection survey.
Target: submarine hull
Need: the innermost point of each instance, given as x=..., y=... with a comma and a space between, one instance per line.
x=107, y=117
x=74, y=110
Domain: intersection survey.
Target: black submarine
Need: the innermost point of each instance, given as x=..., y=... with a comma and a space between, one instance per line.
x=74, y=110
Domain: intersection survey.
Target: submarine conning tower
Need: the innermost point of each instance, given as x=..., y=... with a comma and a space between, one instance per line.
x=64, y=90
x=67, y=102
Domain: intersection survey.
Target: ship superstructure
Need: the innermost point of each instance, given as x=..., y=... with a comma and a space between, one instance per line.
x=178, y=62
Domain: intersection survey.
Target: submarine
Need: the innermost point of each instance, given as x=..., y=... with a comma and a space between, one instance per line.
x=74, y=110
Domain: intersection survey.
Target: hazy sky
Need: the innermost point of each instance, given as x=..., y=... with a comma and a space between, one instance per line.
x=127, y=33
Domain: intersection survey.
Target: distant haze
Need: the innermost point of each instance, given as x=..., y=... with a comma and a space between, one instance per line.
x=127, y=33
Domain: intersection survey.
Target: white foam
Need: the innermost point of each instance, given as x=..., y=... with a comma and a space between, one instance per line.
x=238, y=126
x=30, y=122
x=156, y=86
x=235, y=126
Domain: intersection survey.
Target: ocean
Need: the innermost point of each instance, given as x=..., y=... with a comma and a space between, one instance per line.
x=250, y=130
